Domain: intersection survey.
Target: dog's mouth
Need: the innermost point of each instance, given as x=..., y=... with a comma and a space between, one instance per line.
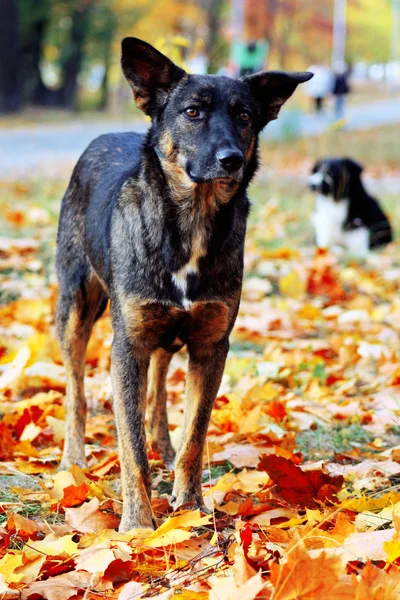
x=222, y=179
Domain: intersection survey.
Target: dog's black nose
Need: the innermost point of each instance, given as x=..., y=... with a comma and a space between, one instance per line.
x=230, y=159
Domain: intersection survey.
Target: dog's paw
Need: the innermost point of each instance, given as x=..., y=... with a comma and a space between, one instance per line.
x=189, y=502
x=67, y=462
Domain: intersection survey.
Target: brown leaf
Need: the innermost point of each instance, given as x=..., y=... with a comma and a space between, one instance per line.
x=89, y=519
x=60, y=587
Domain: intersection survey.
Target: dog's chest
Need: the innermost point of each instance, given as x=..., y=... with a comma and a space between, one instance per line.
x=190, y=269
x=328, y=220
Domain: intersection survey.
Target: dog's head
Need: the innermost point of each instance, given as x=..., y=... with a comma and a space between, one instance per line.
x=205, y=125
x=334, y=177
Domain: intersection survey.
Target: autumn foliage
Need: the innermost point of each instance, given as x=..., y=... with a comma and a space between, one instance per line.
x=301, y=465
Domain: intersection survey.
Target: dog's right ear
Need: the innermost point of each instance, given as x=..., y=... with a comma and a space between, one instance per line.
x=316, y=166
x=353, y=166
x=151, y=75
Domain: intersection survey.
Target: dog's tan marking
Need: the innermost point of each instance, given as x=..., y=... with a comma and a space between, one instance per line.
x=74, y=334
x=250, y=149
x=167, y=145
x=208, y=323
x=147, y=321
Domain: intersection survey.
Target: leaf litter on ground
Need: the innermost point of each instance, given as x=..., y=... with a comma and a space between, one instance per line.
x=302, y=462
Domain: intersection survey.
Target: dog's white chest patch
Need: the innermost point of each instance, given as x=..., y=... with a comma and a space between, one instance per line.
x=180, y=277
x=328, y=220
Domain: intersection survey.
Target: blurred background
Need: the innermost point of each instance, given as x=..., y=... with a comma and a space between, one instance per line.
x=61, y=86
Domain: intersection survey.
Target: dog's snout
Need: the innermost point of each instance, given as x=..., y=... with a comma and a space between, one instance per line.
x=230, y=159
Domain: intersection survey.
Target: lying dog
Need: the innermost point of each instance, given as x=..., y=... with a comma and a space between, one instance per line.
x=156, y=224
x=345, y=214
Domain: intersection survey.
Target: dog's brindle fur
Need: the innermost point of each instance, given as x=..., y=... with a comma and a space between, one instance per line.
x=156, y=224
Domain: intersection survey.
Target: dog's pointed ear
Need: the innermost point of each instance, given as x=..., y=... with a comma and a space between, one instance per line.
x=317, y=166
x=353, y=166
x=151, y=75
x=271, y=89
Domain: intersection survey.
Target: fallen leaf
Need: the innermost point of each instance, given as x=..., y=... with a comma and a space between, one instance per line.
x=299, y=487
x=89, y=519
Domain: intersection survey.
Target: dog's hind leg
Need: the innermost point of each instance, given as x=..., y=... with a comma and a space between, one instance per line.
x=157, y=405
x=80, y=301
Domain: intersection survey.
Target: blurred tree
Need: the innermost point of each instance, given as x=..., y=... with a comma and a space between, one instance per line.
x=214, y=49
x=10, y=90
x=34, y=18
x=38, y=19
x=369, y=25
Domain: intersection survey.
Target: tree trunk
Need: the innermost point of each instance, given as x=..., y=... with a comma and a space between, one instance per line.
x=213, y=38
x=73, y=63
x=10, y=89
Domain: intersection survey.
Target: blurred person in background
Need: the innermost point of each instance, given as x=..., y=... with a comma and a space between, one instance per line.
x=319, y=87
x=250, y=57
x=340, y=88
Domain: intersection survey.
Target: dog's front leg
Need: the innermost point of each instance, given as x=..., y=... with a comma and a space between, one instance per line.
x=129, y=381
x=206, y=367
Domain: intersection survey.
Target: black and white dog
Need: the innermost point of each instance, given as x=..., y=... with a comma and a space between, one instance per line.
x=345, y=214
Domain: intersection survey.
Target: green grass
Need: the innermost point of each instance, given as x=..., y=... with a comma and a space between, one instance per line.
x=323, y=443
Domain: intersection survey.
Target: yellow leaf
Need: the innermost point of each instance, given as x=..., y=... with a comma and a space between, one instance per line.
x=171, y=537
x=292, y=285
x=370, y=503
x=61, y=480
x=8, y=564
x=15, y=369
x=189, y=518
x=58, y=428
x=53, y=546
x=5, y=591
x=392, y=550
x=95, y=559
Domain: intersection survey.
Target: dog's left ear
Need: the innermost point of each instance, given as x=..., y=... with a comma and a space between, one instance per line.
x=353, y=166
x=271, y=89
x=151, y=75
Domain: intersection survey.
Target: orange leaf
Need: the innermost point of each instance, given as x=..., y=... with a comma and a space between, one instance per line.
x=306, y=578
x=74, y=495
x=377, y=585
x=6, y=442
x=300, y=487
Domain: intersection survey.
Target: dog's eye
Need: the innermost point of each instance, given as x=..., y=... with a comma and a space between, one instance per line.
x=192, y=112
x=244, y=117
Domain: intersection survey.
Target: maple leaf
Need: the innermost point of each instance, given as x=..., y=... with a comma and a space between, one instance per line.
x=23, y=526
x=89, y=519
x=376, y=584
x=299, y=487
x=60, y=587
x=95, y=559
x=52, y=545
x=8, y=564
x=304, y=578
x=74, y=495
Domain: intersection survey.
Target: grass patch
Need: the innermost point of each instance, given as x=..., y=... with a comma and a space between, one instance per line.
x=323, y=443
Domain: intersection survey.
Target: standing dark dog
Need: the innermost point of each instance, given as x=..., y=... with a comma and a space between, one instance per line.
x=156, y=224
